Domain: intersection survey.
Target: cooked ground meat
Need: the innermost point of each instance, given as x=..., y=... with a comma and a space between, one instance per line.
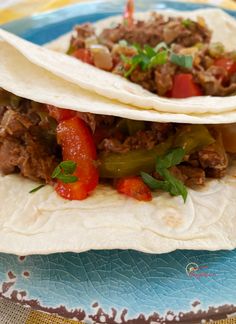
x=212, y=84
x=164, y=78
x=183, y=36
x=154, y=134
x=192, y=176
x=94, y=121
x=28, y=142
x=26, y=145
x=213, y=159
x=156, y=30
x=83, y=32
x=189, y=175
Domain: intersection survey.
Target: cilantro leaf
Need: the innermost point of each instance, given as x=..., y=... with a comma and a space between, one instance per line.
x=68, y=167
x=67, y=178
x=149, y=51
x=159, y=59
x=153, y=183
x=172, y=158
x=185, y=61
x=64, y=172
x=169, y=183
x=37, y=188
x=176, y=187
x=56, y=172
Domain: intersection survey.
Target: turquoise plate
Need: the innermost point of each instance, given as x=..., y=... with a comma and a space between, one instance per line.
x=118, y=286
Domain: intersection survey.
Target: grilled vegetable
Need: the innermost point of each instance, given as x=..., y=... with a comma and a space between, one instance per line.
x=77, y=146
x=192, y=138
x=134, y=187
x=114, y=165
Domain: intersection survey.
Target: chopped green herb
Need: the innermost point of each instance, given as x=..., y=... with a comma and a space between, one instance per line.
x=37, y=188
x=56, y=172
x=170, y=184
x=173, y=157
x=187, y=23
x=149, y=57
x=125, y=59
x=153, y=183
x=67, y=178
x=159, y=59
x=185, y=61
x=64, y=172
x=68, y=167
x=149, y=51
x=176, y=187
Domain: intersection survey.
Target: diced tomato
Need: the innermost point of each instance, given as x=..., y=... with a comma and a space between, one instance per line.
x=77, y=145
x=84, y=55
x=228, y=64
x=134, y=187
x=60, y=114
x=184, y=86
x=229, y=67
x=129, y=13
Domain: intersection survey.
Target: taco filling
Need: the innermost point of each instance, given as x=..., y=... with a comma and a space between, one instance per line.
x=172, y=57
x=75, y=151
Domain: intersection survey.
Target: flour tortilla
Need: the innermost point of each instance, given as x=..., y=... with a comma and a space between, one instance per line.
x=115, y=87
x=43, y=223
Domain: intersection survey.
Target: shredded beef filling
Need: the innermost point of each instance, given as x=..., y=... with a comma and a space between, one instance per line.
x=27, y=143
x=157, y=29
x=183, y=36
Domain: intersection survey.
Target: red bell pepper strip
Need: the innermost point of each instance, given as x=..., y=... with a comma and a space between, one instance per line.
x=184, y=86
x=129, y=13
x=77, y=145
x=60, y=114
x=84, y=55
x=134, y=187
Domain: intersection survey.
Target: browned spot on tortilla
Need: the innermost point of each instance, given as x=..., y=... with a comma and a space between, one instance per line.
x=173, y=221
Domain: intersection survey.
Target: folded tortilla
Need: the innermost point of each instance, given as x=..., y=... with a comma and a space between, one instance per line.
x=116, y=87
x=43, y=223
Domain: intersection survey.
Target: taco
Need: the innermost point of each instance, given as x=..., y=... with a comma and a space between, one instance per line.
x=111, y=85
x=107, y=155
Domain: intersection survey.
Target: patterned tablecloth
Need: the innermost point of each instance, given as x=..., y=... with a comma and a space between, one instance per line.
x=13, y=313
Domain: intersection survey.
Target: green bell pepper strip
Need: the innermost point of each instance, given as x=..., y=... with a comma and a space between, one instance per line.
x=114, y=165
x=193, y=138
x=190, y=137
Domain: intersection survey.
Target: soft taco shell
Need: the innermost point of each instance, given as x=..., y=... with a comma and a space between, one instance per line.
x=43, y=223
x=115, y=87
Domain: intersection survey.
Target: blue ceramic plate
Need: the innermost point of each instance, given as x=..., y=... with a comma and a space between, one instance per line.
x=118, y=286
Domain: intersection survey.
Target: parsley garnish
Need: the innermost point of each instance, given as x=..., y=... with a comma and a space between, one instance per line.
x=170, y=184
x=64, y=172
x=37, y=188
x=149, y=57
